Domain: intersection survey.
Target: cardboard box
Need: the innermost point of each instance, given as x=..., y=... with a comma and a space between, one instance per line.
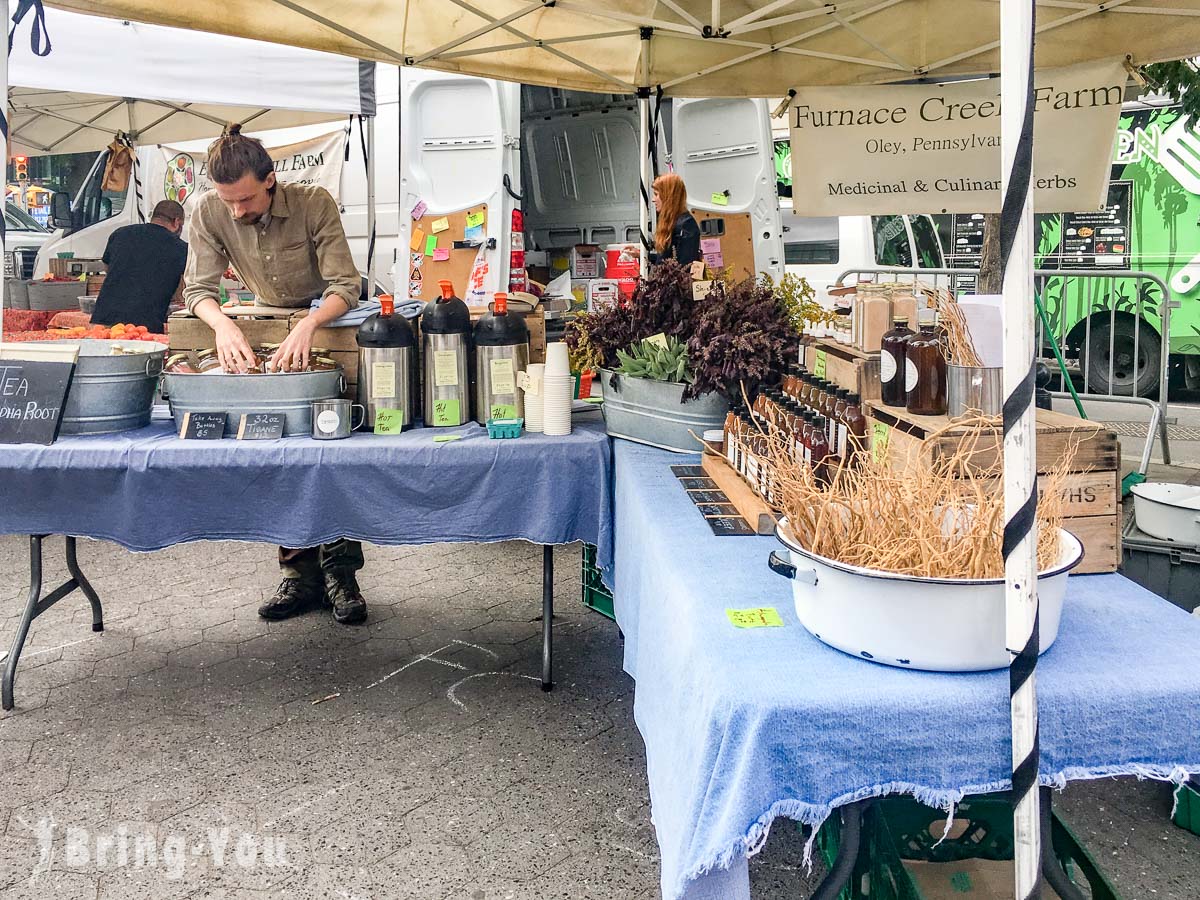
x=585, y=261
x=560, y=261
x=603, y=292
x=73, y=267
x=579, y=294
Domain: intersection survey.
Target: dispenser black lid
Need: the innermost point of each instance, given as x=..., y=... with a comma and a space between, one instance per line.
x=386, y=331
x=503, y=330
x=446, y=316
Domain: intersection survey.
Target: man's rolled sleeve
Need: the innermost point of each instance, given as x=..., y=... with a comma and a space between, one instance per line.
x=206, y=263
x=334, y=259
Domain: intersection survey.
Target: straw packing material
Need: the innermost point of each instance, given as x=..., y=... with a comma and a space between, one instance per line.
x=559, y=393
x=532, y=381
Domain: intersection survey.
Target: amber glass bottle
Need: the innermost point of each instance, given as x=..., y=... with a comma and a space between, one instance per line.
x=925, y=368
x=891, y=363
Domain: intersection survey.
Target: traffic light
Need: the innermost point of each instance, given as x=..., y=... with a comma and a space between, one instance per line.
x=21, y=164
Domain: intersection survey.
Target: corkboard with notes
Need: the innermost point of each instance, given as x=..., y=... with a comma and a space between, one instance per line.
x=447, y=228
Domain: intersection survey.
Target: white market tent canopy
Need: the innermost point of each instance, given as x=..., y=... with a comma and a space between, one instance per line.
x=694, y=48
x=167, y=85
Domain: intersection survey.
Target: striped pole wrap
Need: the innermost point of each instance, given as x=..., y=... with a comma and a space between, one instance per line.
x=1019, y=547
x=137, y=186
x=646, y=227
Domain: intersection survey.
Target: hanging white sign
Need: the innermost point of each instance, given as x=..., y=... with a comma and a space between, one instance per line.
x=936, y=148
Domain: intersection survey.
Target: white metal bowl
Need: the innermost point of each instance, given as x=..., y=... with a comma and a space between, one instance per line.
x=1169, y=512
x=936, y=624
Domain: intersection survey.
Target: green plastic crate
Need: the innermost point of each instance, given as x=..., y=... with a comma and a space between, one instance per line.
x=899, y=828
x=1187, y=806
x=595, y=595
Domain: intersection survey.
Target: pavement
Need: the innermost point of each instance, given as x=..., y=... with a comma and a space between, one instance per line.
x=194, y=750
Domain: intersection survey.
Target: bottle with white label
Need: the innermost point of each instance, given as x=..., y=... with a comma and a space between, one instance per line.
x=445, y=345
x=925, y=368
x=891, y=362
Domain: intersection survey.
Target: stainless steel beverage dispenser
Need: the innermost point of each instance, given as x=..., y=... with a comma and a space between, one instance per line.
x=387, y=357
x=501, y=351
x=445, y=348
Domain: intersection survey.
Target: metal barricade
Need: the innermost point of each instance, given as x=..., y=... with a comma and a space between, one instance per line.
x=1092, y=325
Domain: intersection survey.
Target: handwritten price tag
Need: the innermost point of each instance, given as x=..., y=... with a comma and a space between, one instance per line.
x=760, y=617
x=880, y=433
x=819, y=365
x=719, y=198
x=658, y=340
x=446, y=412
x=389, y=421
x=503, y=411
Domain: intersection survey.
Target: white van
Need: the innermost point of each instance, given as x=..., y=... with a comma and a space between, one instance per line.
x=820, y=249
x=568, y=160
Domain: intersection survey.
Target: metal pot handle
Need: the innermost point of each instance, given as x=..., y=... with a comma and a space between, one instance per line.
x=342, y=383
x=150, y=360
x=781, y=566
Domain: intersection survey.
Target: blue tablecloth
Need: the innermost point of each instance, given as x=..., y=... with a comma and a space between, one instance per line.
x=147, y=489
x=742, y=726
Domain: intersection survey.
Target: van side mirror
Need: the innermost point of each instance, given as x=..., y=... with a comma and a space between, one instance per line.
x=60, y=211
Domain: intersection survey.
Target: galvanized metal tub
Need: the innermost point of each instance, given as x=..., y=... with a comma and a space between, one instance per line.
x=291, y=393
x=16, y=293
x=110, y=392
x=652, y=412
x=974, y=389
x=54, y=295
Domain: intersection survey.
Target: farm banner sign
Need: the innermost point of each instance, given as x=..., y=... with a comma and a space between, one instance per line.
x=936, y=148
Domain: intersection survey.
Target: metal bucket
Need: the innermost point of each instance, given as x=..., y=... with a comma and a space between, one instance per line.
x=652, y=412
x=974, y=389
x=111, y=393
x=291, y=393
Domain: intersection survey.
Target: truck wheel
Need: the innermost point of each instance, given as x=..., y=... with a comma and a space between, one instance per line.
x=1130, y=377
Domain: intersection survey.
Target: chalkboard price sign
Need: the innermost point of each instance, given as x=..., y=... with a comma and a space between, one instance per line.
x=261, y=426
x=32, y=394
x=203, y=426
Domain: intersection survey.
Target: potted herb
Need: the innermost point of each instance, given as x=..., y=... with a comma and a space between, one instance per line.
x=671, y=365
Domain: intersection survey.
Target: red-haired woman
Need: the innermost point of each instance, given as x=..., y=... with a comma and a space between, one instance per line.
x=677, y=235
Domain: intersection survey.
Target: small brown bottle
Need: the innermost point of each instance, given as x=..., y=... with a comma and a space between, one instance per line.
x=925, y=368
x=891, y=363
x=856, y=429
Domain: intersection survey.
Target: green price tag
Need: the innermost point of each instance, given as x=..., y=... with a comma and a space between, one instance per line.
x=879, y=441
x=504, y=411
x=389, y=421
x=761, y=617
x=719, y=198
x=658, y=340
x=819, y=365
x=447, y=438
x=446, y=412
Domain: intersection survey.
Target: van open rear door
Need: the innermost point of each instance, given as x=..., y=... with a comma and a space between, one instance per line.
x=724, y=151
x=457, y=144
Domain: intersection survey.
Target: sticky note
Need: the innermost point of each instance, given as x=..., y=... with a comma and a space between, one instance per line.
x=441, y=254
x=760, y=617
x=714, y=260
x=503, y=411
x=446, y=412
x=658, y=340
x=440, y=225
x=475, y=219
x=720, y=199
x=383, y=380
x=880, y=433
x=445, y=368
x=431, y=245
x=710, y=245
x=504, y=381
x=819, y=365
x=418, y=240
x=446, y=438
x=389, y=421
x=419, y=210
x=473, y=234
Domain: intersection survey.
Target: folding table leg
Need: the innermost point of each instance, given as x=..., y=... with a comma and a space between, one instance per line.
x=547, y=616
x=1052, y=869
x=35, y=605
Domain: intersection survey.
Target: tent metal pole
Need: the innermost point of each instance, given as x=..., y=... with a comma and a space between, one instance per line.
x=492, y=25
x=370, y=162
x=644, y=205
x=1020, y=435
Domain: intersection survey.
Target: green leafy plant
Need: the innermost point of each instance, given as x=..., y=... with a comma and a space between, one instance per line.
x=582, y=353
x=649, y=359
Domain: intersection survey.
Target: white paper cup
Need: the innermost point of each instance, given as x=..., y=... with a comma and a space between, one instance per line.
x=557, y=362
x=535, y=403
x=559, y=394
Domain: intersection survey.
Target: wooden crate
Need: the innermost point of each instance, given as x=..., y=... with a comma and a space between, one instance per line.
x=1091, y=491
x=752, y=507
x=94, y=283
x=847, y=367
x=73, y=267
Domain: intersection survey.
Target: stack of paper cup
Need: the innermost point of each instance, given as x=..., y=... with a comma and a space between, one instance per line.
x=558, y=387
x=535, y=394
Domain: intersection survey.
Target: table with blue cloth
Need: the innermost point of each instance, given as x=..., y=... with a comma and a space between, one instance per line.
x=742, y=726
x=148, y=489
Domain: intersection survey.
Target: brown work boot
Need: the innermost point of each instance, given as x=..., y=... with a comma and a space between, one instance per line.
x=295, y=596
x=342, y=593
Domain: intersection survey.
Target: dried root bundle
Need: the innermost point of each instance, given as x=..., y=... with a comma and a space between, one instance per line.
x=934, y=518
x=959, y=348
